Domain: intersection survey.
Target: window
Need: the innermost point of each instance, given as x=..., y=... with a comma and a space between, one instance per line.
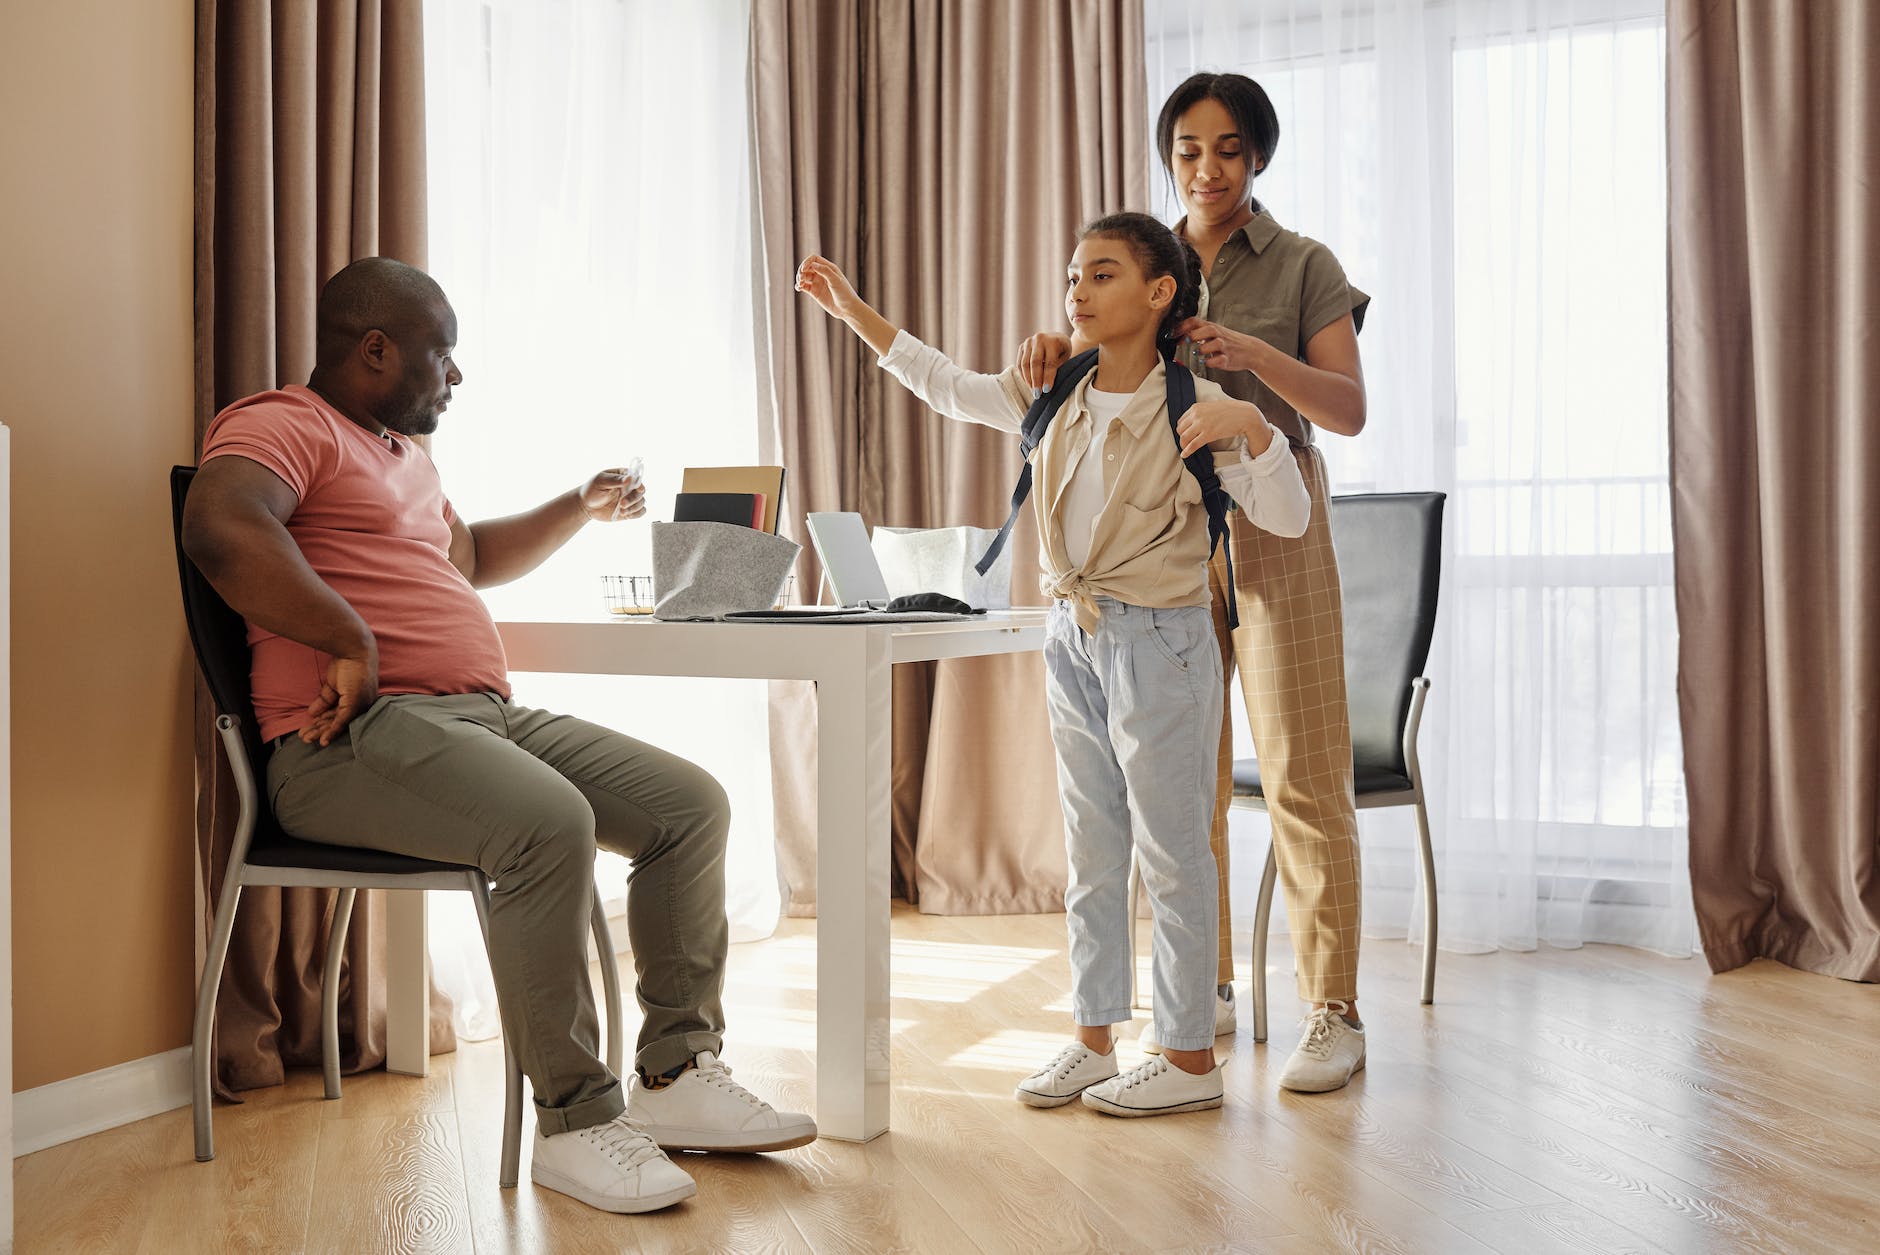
x=590, y=220
x=1493, y=173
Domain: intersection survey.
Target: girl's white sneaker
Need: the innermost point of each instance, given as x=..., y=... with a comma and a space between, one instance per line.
x=1076, y=1068
x=1156, y=1087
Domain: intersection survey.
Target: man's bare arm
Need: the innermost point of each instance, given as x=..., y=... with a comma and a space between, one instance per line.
x=495, y=551
x=234, y=530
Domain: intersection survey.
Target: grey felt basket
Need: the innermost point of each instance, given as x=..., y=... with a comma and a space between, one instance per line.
x=706, y=570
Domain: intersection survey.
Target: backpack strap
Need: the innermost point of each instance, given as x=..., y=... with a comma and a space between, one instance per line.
x=1031, y=434
x=1200, y=463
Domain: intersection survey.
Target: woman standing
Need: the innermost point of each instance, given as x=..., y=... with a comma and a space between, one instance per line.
x=1278, y=327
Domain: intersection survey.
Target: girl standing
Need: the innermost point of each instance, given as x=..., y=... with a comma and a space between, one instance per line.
x=1280, y=329
x=1133, y=675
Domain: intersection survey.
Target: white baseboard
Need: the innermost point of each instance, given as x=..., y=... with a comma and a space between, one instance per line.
x=96, y=1101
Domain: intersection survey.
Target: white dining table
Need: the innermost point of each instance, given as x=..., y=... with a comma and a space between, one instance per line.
x=849, y=663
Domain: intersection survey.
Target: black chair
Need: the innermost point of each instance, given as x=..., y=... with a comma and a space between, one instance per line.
x=261, y=854
x=1389, y=569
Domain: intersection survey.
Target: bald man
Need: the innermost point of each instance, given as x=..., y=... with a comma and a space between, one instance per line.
x=380, y=684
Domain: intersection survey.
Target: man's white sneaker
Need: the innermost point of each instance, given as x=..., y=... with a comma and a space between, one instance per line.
x=704, y=1109
x=613, y=1166
x=1076, y=1068
x=1330, y=1051
x=1224, y=1025
x=1156, y=1087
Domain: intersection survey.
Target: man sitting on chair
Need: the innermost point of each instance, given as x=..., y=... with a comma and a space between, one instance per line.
x=381, y=683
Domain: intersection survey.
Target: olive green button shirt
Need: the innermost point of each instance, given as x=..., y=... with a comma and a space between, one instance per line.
x=1282, y=287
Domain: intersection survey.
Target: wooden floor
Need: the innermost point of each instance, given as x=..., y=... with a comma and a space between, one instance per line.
x=1591, y=1100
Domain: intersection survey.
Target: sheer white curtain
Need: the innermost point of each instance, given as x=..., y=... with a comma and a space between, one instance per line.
x=590, y=220
x=1493, y=172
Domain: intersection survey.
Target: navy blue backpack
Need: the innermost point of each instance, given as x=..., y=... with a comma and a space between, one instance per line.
x=1200, y=463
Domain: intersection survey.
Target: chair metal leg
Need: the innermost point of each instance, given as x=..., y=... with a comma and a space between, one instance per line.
x=1262, y=916
x=1135, y=900
x=1426, y=857
x=512, y=1067
x=610, y=984
x=329, y=990
x=201, y=1054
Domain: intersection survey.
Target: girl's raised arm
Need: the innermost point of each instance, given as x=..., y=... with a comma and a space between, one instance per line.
x=823, y=282
x=923, y=370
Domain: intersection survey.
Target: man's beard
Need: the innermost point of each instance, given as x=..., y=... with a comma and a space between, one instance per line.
x=419, y=423
x=408, y=418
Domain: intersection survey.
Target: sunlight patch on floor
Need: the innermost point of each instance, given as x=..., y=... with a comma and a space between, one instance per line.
x=794, y=1028
x=940, y=971
x=923, y=971
x=1011, y=1050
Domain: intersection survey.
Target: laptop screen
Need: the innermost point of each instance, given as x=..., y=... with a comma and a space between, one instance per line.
x=841, y=540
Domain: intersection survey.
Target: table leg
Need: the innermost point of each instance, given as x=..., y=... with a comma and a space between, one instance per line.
x=407, y=983
x=854, y=759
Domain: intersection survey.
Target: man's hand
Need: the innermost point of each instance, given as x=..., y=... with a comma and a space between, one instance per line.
x=1039, y=358
x=612, y=495
x=1215, y=424
x=1220, y=348
x=348, y=687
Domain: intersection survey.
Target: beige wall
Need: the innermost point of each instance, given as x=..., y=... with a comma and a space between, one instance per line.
x=95, y=377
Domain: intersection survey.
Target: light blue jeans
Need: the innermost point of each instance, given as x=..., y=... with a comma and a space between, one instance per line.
x=1136, y=719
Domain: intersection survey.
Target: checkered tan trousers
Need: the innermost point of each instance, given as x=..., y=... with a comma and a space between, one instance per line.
x=1290, y=651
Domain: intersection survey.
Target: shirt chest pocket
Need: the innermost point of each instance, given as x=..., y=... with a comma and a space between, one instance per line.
x=1157, y=481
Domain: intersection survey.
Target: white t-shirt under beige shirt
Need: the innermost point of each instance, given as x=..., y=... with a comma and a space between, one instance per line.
x=1083, y=497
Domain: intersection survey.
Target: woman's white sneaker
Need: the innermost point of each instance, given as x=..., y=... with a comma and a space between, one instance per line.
x=1076, y=1068
x=1156, y=1087
x=1328, y=1054
x=704, y=1109
x=613, y=1166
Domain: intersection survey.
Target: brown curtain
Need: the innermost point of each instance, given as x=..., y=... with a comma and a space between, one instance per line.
x=1775, y=473
x=943, y=154
x=309, y=154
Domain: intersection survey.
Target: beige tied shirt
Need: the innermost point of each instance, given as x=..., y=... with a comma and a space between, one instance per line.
x=1149, y=544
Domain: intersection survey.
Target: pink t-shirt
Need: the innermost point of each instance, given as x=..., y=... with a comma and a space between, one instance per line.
x=373, y=523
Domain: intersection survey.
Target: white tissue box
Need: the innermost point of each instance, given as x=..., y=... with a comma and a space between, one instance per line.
x=941, y=560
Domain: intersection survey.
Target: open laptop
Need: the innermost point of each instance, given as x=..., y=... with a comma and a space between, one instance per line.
x=841, y=540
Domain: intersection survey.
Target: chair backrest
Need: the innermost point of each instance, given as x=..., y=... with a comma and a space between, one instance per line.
x=1389, y=567
x=219, y=637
